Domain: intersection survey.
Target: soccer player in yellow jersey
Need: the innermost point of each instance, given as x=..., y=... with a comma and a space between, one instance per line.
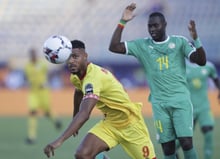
x=123, y=123
x=36, y=72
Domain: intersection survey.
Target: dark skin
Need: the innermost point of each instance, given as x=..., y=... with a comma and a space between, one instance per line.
x=157, y=30
x=77, y=64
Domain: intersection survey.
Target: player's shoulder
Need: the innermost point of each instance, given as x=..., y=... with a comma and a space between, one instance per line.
x=43, y=62
x=142, y=40
x=93, y=71
x=28, y=65
x=179, y=40
x=92, y=68
x=145, y=40
x=209, y=64
x=98, y=73
x=178, y=37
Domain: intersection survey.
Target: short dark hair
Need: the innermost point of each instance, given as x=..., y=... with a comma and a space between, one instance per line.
x=77, y=44
x=158, y=14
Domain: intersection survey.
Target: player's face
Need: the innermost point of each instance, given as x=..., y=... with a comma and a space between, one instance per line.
x=77, y=61
x=156, y=28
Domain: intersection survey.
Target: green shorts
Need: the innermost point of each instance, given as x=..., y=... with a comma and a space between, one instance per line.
x=204, y=117
x=134, y=138
x=173, y=120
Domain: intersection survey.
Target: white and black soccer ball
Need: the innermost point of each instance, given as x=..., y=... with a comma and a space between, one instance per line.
x=57, y=49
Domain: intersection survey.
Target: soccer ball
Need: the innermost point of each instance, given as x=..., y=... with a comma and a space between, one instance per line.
x=57, y=49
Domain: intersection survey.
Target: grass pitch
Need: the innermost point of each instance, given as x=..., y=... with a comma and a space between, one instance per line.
x=13, y=133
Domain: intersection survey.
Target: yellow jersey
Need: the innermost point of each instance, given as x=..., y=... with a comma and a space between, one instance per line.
x=113, y=100
x=36, y=74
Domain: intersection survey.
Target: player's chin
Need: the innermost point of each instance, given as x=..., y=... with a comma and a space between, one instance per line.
x=73, y=71
x=155, y=37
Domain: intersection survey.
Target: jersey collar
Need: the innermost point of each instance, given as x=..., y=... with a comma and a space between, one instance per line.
x=161, y=42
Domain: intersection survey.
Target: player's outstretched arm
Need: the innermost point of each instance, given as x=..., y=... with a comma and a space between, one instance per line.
x=78, y=121
x=116, y=45
x=199, y=56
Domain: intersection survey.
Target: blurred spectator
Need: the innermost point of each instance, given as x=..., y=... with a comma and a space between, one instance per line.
x=12, y=78
x=3, y=73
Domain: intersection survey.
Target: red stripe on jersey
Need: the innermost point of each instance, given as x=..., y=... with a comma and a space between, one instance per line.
x=91, y=96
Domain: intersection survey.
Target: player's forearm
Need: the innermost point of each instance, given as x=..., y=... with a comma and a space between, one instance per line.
x=74, y=126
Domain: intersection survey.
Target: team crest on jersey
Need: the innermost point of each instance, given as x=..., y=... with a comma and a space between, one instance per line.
x=171, y=45
x=89, y=88
x=204, y=71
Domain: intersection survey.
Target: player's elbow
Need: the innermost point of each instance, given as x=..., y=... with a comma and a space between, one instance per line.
x=112, y=47
x=116, y=48
x=198, y=58
x=202, y=63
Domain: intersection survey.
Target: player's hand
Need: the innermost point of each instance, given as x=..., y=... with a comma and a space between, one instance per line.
x=128, y=12
x=192, y=29
x=49, y=149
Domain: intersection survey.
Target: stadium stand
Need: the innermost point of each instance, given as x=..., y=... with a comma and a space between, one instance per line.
x=27, y=23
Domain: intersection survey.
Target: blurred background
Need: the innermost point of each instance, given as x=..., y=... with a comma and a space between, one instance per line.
x=26, y=24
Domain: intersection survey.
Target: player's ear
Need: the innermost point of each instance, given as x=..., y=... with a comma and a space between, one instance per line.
x=165, y=24
x=86, y=55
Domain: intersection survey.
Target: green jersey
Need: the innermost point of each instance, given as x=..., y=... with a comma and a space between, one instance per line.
x=164, y=66
x=197, y=77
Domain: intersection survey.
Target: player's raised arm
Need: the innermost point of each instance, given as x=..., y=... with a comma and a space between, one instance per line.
x=199, y=56
x=116, y=45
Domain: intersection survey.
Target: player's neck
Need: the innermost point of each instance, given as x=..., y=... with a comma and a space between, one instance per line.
x=164, y=37
x=83, y=71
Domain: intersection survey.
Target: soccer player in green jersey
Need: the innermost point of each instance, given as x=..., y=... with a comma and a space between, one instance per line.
x=197, y=78
x=123, y=122
x=163, y=59
x=36, y=73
